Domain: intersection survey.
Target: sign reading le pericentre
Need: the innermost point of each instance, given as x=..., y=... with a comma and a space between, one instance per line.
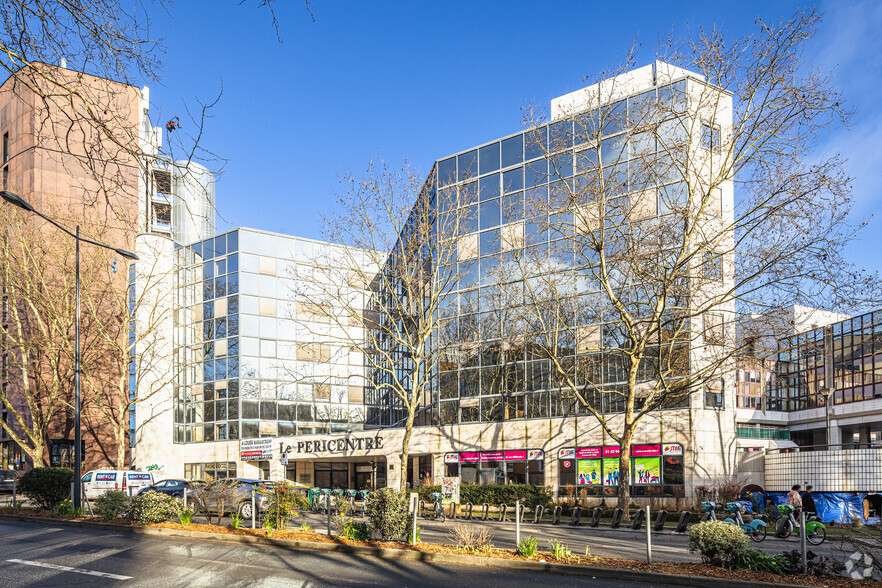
x=339, y=445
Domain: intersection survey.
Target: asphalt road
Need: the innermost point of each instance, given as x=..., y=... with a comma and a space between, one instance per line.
x=43, y=555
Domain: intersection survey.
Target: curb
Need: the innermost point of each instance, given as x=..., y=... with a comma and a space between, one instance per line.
x=388, y=553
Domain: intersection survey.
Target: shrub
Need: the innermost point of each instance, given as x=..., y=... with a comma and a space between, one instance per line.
x=47, y=486
x=112, y=504
x=282, y=503
x=65, y=507
x=387, y=511
x=471, y=537
x=528, y=547
x=496, y=494
x=718, y=543
x=357, y=531
x=410, y=534
x=152, y=507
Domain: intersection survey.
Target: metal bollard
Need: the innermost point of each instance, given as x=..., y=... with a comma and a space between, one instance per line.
x=486, y=513
x=555, y=519
x=14, y=489
x=595, y=517
x=660, y=519
x=254, y=509
x=537, y=514
x=71, y=491
x=617, y=518
x=502, y=512
x=469, y=507
x=420, y=507
x=684, y=521
x=577, y=517
x=517, y=523
x=328, y=505
x=638, y=520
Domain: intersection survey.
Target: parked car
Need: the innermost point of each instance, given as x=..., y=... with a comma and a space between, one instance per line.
x=97, y=482
x=8, y=480
x=234, y=494
x=174, y=488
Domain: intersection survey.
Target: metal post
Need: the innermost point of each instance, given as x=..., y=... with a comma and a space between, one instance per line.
x=78, y=458
x=415, y=503
x=518, y=524
x=185, y=497
x=802, y=546
x=648, y=539
x=253, y=509
x=328, y=505
x=14, y=488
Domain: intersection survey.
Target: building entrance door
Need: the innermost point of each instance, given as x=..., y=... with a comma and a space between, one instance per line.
x=364, y=476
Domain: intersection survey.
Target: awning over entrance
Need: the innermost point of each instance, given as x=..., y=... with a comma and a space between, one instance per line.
x=765, y=443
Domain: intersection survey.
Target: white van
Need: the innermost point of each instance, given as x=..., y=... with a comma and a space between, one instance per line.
x=97, y=482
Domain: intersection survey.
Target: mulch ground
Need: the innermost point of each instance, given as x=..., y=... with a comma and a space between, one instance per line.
x=680, y=568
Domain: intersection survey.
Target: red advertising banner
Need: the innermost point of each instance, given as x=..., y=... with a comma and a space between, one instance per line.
x=516, y=455
x=613, y=451
x=645, y=450
x=469, y=457
x=588, y=452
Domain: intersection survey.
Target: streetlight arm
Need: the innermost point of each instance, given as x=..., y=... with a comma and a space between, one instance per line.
x=20, y=202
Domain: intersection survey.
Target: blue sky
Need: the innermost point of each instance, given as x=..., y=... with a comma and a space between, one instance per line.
x=421, y=80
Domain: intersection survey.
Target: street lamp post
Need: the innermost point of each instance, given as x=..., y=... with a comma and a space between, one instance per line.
x=20, y=202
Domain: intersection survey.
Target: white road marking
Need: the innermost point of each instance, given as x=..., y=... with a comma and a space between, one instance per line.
x=68, y=569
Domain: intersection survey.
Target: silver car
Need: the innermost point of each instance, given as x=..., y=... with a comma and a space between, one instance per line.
x=232, y=495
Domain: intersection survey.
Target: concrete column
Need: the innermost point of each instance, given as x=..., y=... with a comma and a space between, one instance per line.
x=835, y=433
x=393, y=474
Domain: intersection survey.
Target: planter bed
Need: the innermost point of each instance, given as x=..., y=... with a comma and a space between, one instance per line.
x=302, y=536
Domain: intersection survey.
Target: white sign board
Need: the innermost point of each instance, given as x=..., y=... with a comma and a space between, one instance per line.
x=256, y=449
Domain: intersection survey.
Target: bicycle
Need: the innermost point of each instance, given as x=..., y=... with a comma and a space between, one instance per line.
x=815, y=533
x=439, y=506
x=755, y=529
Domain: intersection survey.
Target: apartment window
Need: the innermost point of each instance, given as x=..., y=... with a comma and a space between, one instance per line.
x=710, y=137
x=5, y=160
x=713, y=395
x=162, y=181
x=712, y=266
x=714, y=333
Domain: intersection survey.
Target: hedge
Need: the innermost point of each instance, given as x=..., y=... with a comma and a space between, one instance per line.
x=495, y=494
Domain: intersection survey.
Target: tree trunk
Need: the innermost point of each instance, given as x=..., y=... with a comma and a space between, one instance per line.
x=624, y=490
x=405, y=448
x=36, y=455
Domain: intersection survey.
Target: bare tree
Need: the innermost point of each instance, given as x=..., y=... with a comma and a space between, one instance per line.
x=382, y=295
x=35, y=328
x=128, y=337
x=675, y=217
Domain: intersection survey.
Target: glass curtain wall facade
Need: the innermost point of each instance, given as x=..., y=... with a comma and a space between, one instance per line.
x=494, y=190
x=857, y=363
x=245, y=366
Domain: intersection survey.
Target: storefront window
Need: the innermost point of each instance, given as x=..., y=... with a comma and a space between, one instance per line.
x=334, y=475
x=593, y=468
x=497, y=467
